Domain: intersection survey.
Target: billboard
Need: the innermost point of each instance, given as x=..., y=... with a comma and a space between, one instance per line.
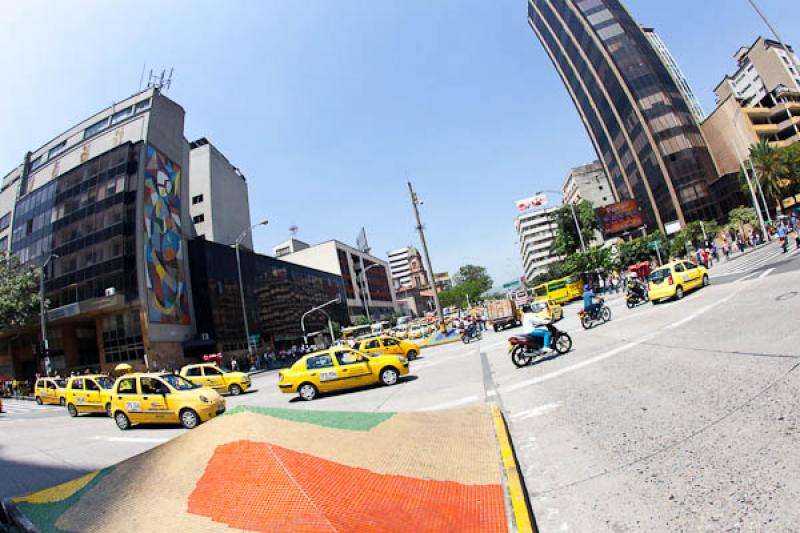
x=539, y=200
x=619, y=217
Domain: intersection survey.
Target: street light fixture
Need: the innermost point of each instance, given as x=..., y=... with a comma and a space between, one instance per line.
x=365, y=286
x=574, y=216
x=239, y=240
x=42, y=311
x=319, y=308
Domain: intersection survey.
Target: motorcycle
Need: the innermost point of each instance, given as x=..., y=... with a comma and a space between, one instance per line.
x=471, y=334
x=635, y=297
x=525, y=348
x=600, y=313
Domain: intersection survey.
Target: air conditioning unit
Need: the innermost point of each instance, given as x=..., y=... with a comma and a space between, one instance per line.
x=111, y=291
x=205, y=336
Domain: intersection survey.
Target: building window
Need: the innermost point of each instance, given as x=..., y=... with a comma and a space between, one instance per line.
x=97, y=127
x=4, y=244
x=199, y=218
x=57, y=149
x=36, y=163
x=141, y=106
x=197, y=199
x=5, y=221
x=119, y=116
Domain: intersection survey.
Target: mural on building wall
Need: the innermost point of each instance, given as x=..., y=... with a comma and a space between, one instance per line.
x=167, y=299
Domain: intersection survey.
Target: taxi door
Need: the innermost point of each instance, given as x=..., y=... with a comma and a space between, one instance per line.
x=92, y=401
x=352, y=369
x=213, y=378
x=40, y=390
x=75, y=393
x=372, y=346
x=391, y=346
x=128, y=399
x=195, y=375
x=680, y=275
x=153, y=394
x=322, y=372
x=51, y=391
x=695, y=277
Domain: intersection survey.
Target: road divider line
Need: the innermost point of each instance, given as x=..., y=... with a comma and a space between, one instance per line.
x=766, y=273
x=536, y=411
x=455, y=403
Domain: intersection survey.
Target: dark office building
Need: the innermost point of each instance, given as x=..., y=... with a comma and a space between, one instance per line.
x=639, y=122
x=277, y=294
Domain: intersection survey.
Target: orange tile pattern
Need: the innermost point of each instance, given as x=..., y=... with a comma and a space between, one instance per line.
x=259, y=486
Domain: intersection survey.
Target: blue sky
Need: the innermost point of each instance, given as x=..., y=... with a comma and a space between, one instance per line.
x=328, y=107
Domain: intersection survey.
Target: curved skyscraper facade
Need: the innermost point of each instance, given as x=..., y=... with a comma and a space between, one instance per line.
x=637, y=118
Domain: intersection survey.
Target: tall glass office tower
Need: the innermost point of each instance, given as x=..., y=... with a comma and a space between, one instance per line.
x=635, y=114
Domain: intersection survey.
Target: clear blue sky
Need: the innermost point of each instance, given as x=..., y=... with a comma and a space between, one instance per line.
x=328, y=106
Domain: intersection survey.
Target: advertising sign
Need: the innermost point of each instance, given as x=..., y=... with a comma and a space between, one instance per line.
x=539, y=200
x=619, y=217
x=672, y=227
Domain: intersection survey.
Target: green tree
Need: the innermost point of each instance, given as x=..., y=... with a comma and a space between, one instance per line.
x=739, y=216
x=770, y=165
x=566, y=240
x=19, y=292
x=452, y=296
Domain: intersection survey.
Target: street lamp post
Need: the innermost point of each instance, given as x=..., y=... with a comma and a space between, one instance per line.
x=319, y=308
x=239, y=240
x=574, y=217
x=365, y=285
x=42, y=314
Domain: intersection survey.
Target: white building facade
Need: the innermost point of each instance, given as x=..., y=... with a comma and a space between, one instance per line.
x=588, y=182
x=399, y=265
x=536, y=230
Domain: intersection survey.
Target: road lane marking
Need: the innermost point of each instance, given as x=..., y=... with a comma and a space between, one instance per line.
x=536, y=411
x=766, y=273
x=750, y=275
x=144, y=440
x=454, y=403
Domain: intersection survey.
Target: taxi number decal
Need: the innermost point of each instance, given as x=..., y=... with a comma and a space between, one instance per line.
x=81, y=399
x=327, y=376
x=685, y=278
x=134, y=407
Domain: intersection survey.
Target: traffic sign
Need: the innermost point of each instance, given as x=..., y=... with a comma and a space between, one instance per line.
x=511, y=284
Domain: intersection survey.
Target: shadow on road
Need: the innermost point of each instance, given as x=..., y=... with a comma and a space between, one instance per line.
x=21, y=477
x=554, y=355
x=400, y=381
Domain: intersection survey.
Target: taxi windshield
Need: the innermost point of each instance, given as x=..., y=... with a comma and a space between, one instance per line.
x=104, y=382
x=538, y=306
x=178, y=383
x=225, y=369
x=659, y=275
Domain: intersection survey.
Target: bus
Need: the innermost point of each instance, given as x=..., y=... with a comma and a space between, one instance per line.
x=560, y=290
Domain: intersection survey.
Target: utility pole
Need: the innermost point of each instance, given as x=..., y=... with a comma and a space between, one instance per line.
x=43, y=315
x=431, y=283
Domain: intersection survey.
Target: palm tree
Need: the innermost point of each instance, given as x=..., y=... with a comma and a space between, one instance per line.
x=771, y=169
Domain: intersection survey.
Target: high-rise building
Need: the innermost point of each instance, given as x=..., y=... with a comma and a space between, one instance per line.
x=220, y=207
x=588, y=182
x=638, y=121
x=398, y=262
x=536, y=230
x=677, y=74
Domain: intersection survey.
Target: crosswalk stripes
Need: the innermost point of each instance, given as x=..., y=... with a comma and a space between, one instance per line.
x=751, y=261
x=11, y=405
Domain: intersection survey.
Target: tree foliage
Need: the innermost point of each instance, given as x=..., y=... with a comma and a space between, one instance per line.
x=19, y=292
x=471, y=282
x=739, y=216
x=566, y=240
x=777, y=170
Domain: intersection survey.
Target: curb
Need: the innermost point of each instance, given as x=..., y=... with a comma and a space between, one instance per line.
x=524, y=518
x=10, y=514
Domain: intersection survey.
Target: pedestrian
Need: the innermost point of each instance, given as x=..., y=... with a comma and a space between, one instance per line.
x=233, y=364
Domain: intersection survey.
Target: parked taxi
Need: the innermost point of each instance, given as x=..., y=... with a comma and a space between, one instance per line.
x=674, y=279
x=546, y=309
x=388, y=345
x=158, y=398
x=89, y=393
x=49, y=390
x=218, y=378
x=340, y=368
x=417, y=331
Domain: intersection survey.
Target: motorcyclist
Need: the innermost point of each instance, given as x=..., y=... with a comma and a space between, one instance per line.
x=530, y=323
x=636, y=287
x=588, y=300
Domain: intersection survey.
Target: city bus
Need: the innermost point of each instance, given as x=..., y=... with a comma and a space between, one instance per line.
x=559, y=290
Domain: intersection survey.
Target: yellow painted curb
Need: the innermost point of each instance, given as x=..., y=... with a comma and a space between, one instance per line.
x=519, y=501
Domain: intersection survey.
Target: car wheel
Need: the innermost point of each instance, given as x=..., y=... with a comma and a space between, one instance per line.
x=389, y=376
x=307, y=391
x=563, y=343
x=38, y=400
x=679, y=292
x=411, y=355
x=61, y=402
x=122, y=420
x=235, y=389
x=189, y=419
x=705, y=280
x=72, y=410
x=108, y=410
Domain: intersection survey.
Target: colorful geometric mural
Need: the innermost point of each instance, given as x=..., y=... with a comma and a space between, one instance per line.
x=167, y=299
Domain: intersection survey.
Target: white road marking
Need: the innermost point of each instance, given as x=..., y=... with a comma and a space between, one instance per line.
x=145, y=440
x=536, y=411
x=454, y=403
x=766, y=273
x=750, y=275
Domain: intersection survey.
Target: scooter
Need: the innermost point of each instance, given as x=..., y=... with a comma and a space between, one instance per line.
x=526, y=348
x=471, y=334
x=600, y=313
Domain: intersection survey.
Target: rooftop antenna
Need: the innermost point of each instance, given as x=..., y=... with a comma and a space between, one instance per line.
x=161, y=81
x=141, y=76
x=293, y=230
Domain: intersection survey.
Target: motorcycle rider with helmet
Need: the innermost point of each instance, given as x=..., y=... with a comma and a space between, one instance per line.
x=530, y=321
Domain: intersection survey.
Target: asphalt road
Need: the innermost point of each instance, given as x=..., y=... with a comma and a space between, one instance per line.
x=676, y=417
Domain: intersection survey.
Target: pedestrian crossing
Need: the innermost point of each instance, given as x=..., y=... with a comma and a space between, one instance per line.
x=751, y=261
x=12, y=406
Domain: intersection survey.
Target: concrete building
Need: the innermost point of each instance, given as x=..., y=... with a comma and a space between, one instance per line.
x=398, y=262
x=536, y=230
x=757, y=102
x=677, y=74
x=289, y=246
x=588, y=182
x=636, y=116
x=220, y=208
x=350, y=263
x=102, y=205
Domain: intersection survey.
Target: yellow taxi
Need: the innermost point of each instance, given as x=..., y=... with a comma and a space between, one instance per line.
x=158, y=398
x=417, y=331
x=674, y=279
x=338, y=369
x=546, y=309
x=89, y=393
x=388, y=345
x=218, y=378
x=49, y=390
